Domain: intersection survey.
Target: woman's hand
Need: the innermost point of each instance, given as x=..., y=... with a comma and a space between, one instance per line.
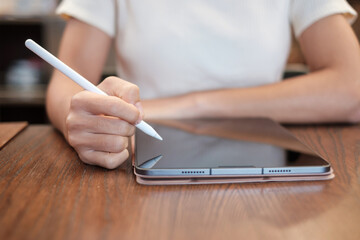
x=98, y=126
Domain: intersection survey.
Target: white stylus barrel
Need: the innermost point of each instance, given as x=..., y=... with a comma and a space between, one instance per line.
x=76, y=77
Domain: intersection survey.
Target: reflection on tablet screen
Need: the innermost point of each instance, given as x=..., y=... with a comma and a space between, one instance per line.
x=186, y=149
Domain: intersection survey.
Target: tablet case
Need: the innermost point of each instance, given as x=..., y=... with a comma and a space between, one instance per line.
x=222, y=180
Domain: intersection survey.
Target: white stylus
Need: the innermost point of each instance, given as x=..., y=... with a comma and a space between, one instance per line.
x=76, y=77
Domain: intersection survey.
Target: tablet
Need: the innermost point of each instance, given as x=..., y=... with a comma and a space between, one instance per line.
x=223, y=150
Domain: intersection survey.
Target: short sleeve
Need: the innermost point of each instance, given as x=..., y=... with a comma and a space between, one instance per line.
x=304, y=13
x=98, y=13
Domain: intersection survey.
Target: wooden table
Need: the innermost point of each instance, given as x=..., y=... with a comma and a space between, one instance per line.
x=47, y=193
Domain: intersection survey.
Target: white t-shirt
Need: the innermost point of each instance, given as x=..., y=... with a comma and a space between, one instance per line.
x=171, y=47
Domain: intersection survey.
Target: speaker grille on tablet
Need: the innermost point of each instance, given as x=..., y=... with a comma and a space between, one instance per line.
x=192, y=172
x=280, y=171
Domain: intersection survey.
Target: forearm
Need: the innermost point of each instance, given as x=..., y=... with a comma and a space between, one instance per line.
x=323, y=96
x=327, y=95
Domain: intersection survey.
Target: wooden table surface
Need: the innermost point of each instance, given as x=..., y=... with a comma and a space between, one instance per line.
x=47, y=193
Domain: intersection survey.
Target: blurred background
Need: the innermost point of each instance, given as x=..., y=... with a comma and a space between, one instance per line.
x=24, y=77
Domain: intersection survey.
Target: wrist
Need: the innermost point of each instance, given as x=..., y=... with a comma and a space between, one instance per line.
x=182, y=106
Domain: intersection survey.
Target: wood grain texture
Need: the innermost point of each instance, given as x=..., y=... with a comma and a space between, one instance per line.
x=8, y=130
x=47, y=193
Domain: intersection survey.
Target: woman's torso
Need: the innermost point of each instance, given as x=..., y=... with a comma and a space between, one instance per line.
x=173, y=47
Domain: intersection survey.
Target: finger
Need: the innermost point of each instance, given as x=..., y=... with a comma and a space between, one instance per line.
x=104, y=159
x=139, y=106
x=98, y=142
x=104, y=105
x=101, y=125
x=109, y=125
x=125, y=90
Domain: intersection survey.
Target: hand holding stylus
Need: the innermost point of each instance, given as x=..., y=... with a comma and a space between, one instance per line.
x=100, y=119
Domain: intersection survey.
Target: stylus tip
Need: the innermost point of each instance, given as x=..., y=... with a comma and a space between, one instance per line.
x=157, y=136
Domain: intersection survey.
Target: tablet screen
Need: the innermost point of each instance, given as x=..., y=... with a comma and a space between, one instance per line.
x=249, y=146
